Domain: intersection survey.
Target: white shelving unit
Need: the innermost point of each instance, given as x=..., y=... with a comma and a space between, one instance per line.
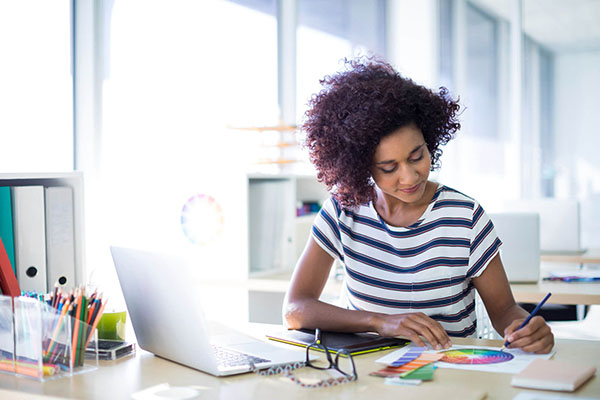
x=276, y=237
x=271, y=216
x=73, y=180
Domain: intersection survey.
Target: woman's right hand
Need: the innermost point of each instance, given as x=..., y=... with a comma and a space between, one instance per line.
x=414, y=326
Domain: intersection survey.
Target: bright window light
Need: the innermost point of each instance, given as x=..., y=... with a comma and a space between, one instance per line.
x=36, y=86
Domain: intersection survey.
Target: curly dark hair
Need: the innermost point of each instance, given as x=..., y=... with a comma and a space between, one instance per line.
x=359, y=106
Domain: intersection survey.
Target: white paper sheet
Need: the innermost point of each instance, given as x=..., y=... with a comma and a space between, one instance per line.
x=517, y=364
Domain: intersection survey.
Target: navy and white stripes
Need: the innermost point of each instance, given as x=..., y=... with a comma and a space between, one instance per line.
x=426, y=267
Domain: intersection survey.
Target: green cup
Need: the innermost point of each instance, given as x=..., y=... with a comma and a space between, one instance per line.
x=112, y=326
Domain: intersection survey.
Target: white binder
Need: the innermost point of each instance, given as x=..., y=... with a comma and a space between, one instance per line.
x=30, y=237
x=60, y=242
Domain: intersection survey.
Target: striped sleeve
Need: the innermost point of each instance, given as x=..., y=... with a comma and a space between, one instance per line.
x=326, y=231
x=485, y=243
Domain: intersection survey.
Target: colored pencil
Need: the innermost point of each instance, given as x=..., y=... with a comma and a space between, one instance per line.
x=93, y=305
x=80, y=334
x=65, y=307
x=96, y=309
x=55, y=298
x=56, y=350
x=95, y=322
x=28, y=368
x=75, y=330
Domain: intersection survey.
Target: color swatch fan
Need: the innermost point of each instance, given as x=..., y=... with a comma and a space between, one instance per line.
x=475, y=356
x=201, y=219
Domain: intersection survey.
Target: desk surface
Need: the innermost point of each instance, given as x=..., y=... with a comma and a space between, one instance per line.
x=590, y=256
x=119, y=379
x=562, y=292
x=587, y=293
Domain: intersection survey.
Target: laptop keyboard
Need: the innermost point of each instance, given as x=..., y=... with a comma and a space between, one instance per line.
x=229, y=358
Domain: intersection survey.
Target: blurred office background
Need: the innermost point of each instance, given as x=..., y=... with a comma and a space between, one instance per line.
x=142, y=96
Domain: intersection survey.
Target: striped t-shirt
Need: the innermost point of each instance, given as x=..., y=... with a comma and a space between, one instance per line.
x=425, y=267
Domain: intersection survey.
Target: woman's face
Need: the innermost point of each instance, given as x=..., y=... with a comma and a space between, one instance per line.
x=401, y=164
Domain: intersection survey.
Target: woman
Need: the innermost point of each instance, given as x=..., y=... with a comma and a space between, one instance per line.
x=414, y=251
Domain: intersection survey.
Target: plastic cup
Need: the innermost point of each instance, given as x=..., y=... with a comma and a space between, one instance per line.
x=112, y=325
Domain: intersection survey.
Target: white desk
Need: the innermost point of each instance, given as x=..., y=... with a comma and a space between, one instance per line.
x=579, y=294
x=119, y=379
x=591, y=256
x=562, y=292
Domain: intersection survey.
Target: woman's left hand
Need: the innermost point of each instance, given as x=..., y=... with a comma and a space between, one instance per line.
x=535, y=337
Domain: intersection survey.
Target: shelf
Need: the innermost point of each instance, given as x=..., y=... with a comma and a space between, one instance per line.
x=277, y=128
x=282, y=145
x=306, y=218
x=280, y=161
x=280, y=281
x=74, y=180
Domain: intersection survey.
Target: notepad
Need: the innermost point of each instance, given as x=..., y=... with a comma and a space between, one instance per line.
x=355, y=343
x=553, y=375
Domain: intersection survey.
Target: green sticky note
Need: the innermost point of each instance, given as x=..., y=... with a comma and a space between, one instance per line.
x=425, y=373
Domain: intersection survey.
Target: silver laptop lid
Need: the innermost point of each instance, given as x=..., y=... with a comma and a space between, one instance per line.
x=520, y=250
x=164, y=308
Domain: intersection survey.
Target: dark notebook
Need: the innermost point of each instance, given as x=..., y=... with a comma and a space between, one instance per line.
x=355, y=343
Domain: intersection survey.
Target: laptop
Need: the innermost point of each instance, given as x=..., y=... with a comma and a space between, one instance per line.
x=560, y=221
x=520, y=250
x=166, y=314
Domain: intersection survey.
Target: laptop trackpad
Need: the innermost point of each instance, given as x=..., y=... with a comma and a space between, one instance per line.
x=270, y=352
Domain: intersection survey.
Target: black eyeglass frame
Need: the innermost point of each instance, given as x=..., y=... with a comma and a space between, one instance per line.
x=333, y=362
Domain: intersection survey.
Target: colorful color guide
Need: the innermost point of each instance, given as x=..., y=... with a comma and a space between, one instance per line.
x=410, y=355
x=201, y=219
x=475, y=356
x=422, y=360
x=425, y=373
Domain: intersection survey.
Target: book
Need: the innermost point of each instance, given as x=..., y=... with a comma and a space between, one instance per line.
x=60, y=238
x=553, y=375
x=8, y=279
x=30, y=237
x=355, y=343
x=6, y=225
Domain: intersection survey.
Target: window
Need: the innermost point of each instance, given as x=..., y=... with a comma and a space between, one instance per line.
x=176, y=75
x=481, y=97
x=36, y=86
x=181, y=72
x=330, y=30
x=546, y=76
x=446, y=42
x=473, y=55
x=476, y=59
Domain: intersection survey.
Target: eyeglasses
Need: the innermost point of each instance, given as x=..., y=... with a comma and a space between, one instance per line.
x=342, y=362
x=318, y=356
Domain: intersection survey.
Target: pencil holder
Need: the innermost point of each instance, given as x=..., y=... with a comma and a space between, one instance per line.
x=47, y=345
x=7, y=331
